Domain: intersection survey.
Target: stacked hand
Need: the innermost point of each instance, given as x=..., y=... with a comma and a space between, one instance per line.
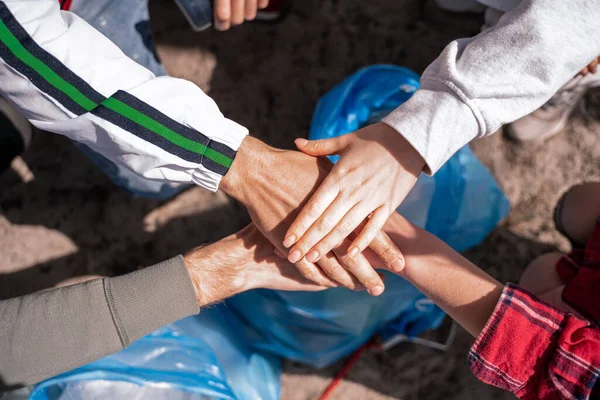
x=240, y=262
x=274, y=185
x=377, y=169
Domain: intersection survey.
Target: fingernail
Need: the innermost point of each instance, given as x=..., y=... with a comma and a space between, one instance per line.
x=376, y=291
x=352, y=252
x=301, y=142
x=312, y=256
x=294, y=256
x=398, y=265
x=290, y=240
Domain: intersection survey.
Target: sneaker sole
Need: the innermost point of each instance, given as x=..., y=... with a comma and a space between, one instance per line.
x=511, y=134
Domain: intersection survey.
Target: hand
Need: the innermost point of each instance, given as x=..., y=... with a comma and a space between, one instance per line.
x=377, y=169
x=591, y=68
x=234, y=12
x=241, y=262
x=274, y=184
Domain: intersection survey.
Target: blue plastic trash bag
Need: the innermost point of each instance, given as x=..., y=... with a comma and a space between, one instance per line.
x=221, y=353
x=461, y=204
x=199, y=357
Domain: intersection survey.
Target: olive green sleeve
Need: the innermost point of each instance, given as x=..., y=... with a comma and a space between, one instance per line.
x=53, y=331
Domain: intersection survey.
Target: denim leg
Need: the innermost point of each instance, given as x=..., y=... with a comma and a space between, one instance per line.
x=126, y=24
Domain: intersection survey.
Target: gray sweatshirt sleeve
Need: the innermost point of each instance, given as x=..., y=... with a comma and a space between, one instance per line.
x=53, y=331
x=478, y=84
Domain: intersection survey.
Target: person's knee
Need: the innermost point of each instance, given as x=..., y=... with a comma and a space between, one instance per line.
x=578, y=211
x=540, y=275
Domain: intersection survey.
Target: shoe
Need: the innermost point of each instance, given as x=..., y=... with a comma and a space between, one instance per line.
x=460, y=6
x=15, y=134
x=551, y=118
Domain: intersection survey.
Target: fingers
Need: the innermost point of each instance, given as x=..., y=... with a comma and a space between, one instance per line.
x=334, y=269
x=593, y=67
x=314, y=274
x=323, y=147
x=314, y=208
x=251, y=8
x=335, y=215
x=262, y=4
x=388, y=252
x=233, y=12
x=369, y=232
x=327, y=232
x=222, y=11
x=584, y=71
x=238, y=12
x=361, y=269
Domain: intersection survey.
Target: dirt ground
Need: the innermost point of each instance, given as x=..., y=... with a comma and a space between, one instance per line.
x=70, y=220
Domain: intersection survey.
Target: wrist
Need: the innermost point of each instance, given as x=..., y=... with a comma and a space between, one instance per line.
x=406, y=154
x=212, y=276
x=250, y=161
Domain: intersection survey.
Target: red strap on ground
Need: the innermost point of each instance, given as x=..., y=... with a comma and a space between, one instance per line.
x=346, y=368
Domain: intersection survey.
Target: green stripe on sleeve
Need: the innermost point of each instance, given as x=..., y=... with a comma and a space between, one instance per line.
x=19, y=51
x=172, y=136
x=46, y=72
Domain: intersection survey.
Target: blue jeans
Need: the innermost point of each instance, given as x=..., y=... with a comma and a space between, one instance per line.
x=127, y=24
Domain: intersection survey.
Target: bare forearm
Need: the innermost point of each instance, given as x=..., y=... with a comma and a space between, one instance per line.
x=460, y=288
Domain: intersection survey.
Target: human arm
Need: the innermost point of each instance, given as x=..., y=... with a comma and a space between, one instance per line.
x=476, y=85
x=273, y=184
x=69, y=79
x=523, y=345
x=53, y=331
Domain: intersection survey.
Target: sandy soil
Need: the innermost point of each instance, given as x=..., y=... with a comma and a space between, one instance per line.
x=72, y=221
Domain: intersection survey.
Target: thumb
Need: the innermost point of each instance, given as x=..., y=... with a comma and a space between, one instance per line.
x=322, y=147
x=388, y=252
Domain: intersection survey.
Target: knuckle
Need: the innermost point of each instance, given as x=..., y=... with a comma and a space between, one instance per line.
x=340, y=275
x=370, y=282
x=345, y=227
x=310, y=275
x=386, y=252
x=314, y=209
x=222, y=16
x=371, y=234
x=326, y=223
x=347, y=262
x=334, y=270
x=303, y=245
x=318, y=144
x=340, y=171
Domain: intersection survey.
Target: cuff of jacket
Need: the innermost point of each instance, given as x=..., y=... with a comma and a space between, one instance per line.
x=436, y=122
x=145, y=300
x=229, y=136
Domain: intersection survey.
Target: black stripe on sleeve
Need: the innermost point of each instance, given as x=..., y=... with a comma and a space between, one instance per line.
x=52, y=62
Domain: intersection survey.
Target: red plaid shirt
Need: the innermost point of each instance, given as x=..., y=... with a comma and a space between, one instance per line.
x=537, y=351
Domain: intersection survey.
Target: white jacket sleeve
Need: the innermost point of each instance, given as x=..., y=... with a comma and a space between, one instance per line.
x=68, y=78
x=478, y=84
